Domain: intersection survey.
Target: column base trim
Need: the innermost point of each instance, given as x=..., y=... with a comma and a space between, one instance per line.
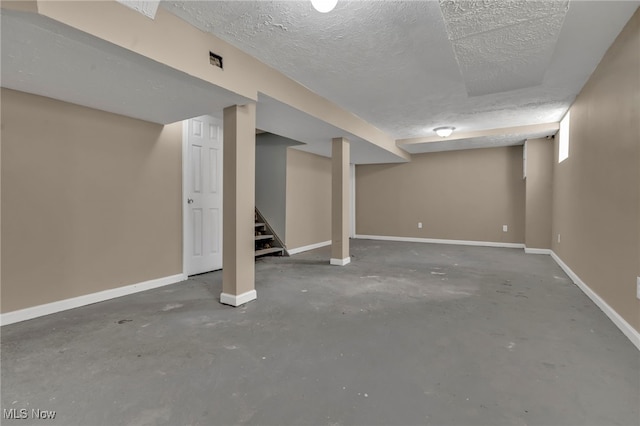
x=340, y=262
x=309, y=247
x=537, y=251
x=237, y=300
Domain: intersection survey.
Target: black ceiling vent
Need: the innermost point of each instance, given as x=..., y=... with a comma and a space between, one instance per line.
x=215, y=60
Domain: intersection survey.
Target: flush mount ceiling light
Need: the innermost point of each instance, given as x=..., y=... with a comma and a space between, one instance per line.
x=324, y=6
x=443, y=132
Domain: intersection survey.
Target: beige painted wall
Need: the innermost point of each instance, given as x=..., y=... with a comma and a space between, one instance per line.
x=308, y=199
x=539, y=193
x=457, y=195
x=596, y=196
x=90, y=200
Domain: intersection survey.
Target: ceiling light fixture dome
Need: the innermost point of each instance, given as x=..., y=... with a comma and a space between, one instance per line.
x=324, y=6
x=444, y=132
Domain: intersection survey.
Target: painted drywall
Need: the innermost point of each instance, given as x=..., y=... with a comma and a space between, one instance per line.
x=340, y=201
x=171, y=41
x=238, y=244
x=308, y=199
x=457, y=195
x=596, y=200
x=271, y=180
x=539, y=193
x=90, y=200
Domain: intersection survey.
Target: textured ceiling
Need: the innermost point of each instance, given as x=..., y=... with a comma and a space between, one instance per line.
x=393, y=63
x=147, y=8
x=503, y=45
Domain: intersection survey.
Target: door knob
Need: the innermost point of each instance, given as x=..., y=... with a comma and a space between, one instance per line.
x=190, y=200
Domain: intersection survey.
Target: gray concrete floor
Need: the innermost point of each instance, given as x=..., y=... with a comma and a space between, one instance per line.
x=408, y=334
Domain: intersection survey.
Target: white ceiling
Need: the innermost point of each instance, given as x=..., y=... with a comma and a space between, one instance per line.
x=503, y=46
x=410, y=66
x=404, y=66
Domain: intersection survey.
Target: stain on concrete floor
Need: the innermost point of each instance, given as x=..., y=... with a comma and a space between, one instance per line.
x=406, y=334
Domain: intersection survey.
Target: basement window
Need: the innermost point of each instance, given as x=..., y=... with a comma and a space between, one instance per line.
x=563, y=143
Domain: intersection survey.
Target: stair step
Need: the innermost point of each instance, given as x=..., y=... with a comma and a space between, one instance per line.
x=269, y=251
x=259, y=224
x=264, y=237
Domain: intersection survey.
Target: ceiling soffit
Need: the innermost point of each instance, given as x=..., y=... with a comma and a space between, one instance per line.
x=490, y=138
x=46, y=58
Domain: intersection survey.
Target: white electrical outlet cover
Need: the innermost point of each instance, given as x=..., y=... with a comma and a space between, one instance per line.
x=505, y=228
x=638, y=288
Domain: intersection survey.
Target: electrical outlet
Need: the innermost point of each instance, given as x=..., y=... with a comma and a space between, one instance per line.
x=505, y=228
x=558, y=237
x=419, y=225
x=638, y=288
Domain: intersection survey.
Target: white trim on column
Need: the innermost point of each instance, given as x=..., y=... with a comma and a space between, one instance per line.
x=237, y=300
x=340, y=262
x=537, y=251
x=309, y=247
x=620, y=322
x=87, y=299
x=439, y=241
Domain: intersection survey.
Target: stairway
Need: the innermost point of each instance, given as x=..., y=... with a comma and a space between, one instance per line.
x=267, y=244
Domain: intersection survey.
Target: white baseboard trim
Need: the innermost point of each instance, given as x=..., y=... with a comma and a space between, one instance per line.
x=620, y=322
x=438, y=241
x=237, y=300
x=340, y=262
x=87, y=299
x=309, y=247
x=537, y=251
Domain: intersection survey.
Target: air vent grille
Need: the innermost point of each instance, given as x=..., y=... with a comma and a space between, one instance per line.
x=215, y=60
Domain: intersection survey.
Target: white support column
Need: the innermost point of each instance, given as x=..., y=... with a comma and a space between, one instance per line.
x=340, y=202
x=238, y=258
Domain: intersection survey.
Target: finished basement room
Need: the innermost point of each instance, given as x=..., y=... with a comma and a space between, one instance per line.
x=320, y=212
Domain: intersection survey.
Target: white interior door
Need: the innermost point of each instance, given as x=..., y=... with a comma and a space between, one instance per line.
x=203, y=193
